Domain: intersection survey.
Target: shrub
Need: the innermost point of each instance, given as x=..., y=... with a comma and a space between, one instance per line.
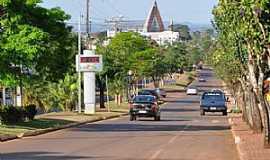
x=190, y=77
x=30, y=111
x=236, y=110
x=10, y=114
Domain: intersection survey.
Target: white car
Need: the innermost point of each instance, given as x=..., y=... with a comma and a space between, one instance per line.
x=202, y=80
x=192, y=91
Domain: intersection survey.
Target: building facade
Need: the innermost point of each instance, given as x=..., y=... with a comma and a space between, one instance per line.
x=153, y=28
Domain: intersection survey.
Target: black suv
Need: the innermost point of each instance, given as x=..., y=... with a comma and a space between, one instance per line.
x=213, y=102
x=144, y=106
x=152, y=92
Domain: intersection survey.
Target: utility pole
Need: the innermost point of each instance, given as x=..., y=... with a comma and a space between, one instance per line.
x=88, y=43
x=107, y=89
x=79, y=70
x=116, y=22
x=172, y=30
x=87, y=17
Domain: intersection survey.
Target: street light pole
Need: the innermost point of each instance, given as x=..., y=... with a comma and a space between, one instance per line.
x=79, y=69
x=88, y=19
x=108, y=98
x=129, y=83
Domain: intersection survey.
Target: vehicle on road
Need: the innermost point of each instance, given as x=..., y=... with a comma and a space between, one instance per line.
x=192, y=90
x=213, y=102
x=152, y=92
x=217, y=90
x=144, y=106
x=161, y=92
x=202, y=80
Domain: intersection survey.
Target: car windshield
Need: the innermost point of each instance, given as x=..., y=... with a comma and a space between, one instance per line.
x=145, y=92
x=213, y=96
x=143, y=99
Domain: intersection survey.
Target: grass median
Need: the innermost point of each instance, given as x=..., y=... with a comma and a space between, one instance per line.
x=37, y=124
x=58, y=119
x=182, y=81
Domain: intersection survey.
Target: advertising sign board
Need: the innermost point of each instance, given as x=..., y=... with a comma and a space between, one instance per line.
x=89, y=63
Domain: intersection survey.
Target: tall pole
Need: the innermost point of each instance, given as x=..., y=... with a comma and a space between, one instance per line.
x=108, y=98
x=87, y=17
x=79, y=69
x=4, y=95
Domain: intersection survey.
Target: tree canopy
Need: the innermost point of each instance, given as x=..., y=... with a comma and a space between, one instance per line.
x=36, y=40
x=183, y=30
x=242, y=56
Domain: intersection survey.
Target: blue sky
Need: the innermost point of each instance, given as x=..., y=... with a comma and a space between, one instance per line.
x=194, y=11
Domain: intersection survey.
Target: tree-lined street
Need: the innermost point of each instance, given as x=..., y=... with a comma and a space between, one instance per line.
x=181, y=134
x=78, y=89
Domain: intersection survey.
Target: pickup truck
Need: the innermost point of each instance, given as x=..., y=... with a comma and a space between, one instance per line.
x=213, y=102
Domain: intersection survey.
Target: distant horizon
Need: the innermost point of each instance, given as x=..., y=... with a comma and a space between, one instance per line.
x=181, y=11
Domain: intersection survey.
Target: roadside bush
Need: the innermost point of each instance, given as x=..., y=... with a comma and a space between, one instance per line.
x=236, y=110
x=190, y=77
x=30, y=111
x=10, y=114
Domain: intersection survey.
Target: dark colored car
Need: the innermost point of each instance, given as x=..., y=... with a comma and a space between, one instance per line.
x=151, y=92
x=144, y=106
x=213, y=102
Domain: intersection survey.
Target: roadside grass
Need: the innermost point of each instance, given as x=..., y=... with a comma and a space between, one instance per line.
x=182, y=81
x=52, y=120
x=14, y=129
x=123, y=107
x=57, y=119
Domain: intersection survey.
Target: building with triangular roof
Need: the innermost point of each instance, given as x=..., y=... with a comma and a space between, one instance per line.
x=153, y=28
x=154, y=21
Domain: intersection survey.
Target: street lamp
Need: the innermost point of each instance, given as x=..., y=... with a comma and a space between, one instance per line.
x=130, y=74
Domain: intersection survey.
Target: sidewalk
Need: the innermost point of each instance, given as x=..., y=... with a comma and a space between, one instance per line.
x=249, y=145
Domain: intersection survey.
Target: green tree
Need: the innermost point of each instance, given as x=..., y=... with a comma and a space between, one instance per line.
x=37, y=49
x=243, y=28
x=53, y=96
x=35, y=39
x=176, y=57
x=183, y=30
x=125, y=52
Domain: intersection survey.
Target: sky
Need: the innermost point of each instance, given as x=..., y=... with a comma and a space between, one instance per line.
x=193, y=11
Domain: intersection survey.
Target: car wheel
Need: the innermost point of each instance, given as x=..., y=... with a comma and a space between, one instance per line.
x=157, y=116
x=225, y=113
x=202, y=112
x=132, y=118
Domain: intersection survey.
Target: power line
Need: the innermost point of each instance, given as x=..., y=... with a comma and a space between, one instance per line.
x=110, y=4
x=84, y=24
x=99, y=12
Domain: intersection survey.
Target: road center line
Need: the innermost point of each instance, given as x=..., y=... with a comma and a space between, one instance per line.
x=156, y=154
x=175, y=137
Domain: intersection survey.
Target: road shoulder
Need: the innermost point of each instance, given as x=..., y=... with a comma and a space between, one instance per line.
x=74, y=120
x=249, y=145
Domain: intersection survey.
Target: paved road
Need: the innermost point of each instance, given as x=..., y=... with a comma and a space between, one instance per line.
x=181, y=135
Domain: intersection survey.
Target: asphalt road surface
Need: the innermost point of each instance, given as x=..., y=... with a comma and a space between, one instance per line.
x=182, y=134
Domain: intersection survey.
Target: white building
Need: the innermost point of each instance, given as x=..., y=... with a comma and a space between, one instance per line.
x=153, y=28
x=162, y=38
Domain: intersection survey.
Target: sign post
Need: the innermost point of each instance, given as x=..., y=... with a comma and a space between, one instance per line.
x=89, y=63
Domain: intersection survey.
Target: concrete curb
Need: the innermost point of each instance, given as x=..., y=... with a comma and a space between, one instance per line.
x=48, y=130
x=237, y=140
